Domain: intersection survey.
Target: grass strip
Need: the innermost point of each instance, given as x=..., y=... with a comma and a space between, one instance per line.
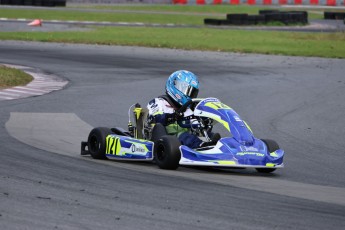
x=10, y=77
x=330, y=45
x=202, y=9
x=189, y=15
x=104, y=16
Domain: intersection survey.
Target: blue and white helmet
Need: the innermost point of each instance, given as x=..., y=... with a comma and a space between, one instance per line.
x=182, y=86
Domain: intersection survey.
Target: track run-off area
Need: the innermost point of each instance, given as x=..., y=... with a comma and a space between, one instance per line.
x=46, y=184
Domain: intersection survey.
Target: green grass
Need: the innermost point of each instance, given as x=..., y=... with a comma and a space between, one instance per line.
x=187, y=15
x=203, y=38
x=10, y=77
x=205, y=9
x=265, y=42
x=103, y=16
x=200, y=9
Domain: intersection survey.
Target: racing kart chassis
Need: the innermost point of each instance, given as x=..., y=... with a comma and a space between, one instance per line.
x=144, y=141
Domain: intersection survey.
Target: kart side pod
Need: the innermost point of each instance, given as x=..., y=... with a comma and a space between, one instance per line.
x=109, y=143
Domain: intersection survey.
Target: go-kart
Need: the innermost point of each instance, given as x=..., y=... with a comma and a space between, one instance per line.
x=150, y=142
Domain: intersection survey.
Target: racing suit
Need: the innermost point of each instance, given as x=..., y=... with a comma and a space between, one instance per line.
x=161, y=111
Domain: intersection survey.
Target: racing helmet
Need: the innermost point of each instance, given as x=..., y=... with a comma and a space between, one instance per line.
x=182, y=86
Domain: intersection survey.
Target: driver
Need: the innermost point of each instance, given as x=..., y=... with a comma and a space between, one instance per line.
x=180, y=87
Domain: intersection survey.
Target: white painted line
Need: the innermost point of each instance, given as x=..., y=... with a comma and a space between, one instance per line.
x=20, y=91
x=44, y=87
x=30, y=89
x=9, y=94
x=53, y=89
x=36, y=83
x=39, y=78
x=42, y=84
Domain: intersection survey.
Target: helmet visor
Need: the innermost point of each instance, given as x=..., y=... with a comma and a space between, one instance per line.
x=186, y=89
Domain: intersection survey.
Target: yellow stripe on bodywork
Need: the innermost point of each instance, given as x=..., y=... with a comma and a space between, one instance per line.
x=248, y=127
x=273, y=154
x=224, y=123
x=157, y=113
x=217, y=105
x=270, y=165
x=113, y=145
x=224, y=162
x=109, y=141
x=117, y=146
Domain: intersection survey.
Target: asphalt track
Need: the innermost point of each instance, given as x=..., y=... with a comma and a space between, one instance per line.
x=46, y=184
x=13, y=25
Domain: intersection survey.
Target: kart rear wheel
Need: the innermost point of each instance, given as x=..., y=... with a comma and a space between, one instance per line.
x=167, y=153
x=96, y=142
x=272, y=146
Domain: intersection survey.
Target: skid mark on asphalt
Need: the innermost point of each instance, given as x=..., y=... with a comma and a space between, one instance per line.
x=62, y=133
x=42, y=84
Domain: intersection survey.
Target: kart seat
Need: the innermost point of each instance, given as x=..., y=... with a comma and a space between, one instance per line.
x=120, y=131
x=158, y=131
x=140, y=122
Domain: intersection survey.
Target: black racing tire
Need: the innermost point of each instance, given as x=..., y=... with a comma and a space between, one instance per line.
x=167, y=153
x=272, y=146
x=96, y=143
x=212, y=22
x=37, y=2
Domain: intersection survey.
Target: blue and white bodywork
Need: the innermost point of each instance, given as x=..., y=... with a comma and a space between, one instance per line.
x=128, y=148
x=239, y=149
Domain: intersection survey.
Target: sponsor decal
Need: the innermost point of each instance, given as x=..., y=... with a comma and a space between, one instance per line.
x=211, y=100
x=248, y=149
x=250, y=154
x=237, y=118
x=137, y=149
x=177, y=96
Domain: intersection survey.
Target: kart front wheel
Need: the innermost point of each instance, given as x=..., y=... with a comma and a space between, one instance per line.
x=167, y=153
x=271, y=146
x=96, y=142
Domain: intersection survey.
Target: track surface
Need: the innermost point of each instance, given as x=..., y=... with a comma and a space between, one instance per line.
x=297, y=101
x=13, y=25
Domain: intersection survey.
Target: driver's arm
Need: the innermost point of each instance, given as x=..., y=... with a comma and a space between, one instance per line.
x=160, y=112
